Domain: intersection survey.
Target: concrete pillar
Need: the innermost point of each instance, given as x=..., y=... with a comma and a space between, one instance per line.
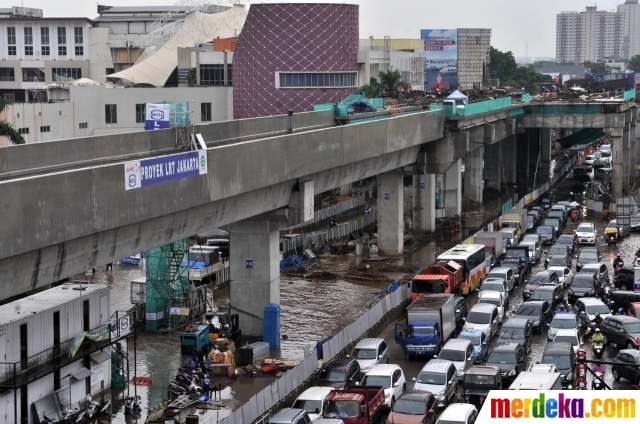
x=493, y=169
x=390, y=209
x=301, y=202
x=424, y=203
x=508, y=146
x=345, y=190
x=544, y=172
x=255, y=268
x=474, y=174
x=452, y=192
x=617, y=161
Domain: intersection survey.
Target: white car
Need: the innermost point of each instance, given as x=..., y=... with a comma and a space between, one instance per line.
x=493, y=298
x=496, y=284
x=587, y=233
x=588, y=160
x=483, y=317
x=369, y=352
x=571, y=336
x=389, y=376
x=565, y=275
x=312, y=400
x=458, y=413
x=605, y=149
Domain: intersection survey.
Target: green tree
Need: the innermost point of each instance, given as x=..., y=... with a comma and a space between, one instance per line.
x=597, y=67
x=634, y=63
x=6, y=129
x=371, y=90
x=389, y=80
x=513, y=75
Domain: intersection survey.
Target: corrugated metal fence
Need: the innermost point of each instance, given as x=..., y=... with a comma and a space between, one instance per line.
x=267, y=402
x=333, y=210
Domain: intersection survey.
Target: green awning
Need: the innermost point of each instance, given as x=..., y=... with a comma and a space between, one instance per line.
x=582, y=136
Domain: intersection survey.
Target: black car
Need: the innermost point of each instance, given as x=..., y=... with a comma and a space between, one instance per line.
x=531, y=224
x=588, y=255
x=626, y=366
x=558, y=259
x=552, y=293
x=599, y=269
x=623, y=299
x=562, y=356
x=547, y=234
x=546, y=201
x=516, y=330
x=537, y=279
x=621, y=330
x=557, y=249
x=539, y=312
x=570, y=240
x=537, y=214
x=555, y=223
x=339, y=372
x=511, y=358
x=583, y=285
x=555, y=213
x=624, y=279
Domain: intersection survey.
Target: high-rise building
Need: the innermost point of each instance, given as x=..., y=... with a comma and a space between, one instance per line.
x=595, y=34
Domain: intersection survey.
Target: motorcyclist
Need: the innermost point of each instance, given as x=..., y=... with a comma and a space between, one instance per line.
x=618, y=262
x=597, y=320
x=598, y=367
x=597, y=337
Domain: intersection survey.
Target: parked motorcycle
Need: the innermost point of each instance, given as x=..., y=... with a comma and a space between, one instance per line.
x=132, y=405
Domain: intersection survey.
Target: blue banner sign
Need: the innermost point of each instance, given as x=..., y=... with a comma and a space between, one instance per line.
x=142, y=173
x=157, y=116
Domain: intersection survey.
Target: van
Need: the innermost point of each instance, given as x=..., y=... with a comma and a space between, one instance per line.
x=290, y=416
x=562, y=356
x=369, y=352
x=339, y=373
x=312, y=400
x=461, y=353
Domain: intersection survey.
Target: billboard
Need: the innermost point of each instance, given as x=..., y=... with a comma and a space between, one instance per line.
x=157, y=116
x=441, y=59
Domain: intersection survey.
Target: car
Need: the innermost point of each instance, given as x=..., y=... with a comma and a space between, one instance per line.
x=489, y=260
x=623, y=299
x=496, y=284
x=312, y=400
x=579, y=170
x=478, y=382
x=635, y=223
x=555, y=223
x=588, y=161
x=519, y=270
x=440, y=378
x=564, y=273
x=461, y=353
x=623, y=229
x=479, y=340
x=339, y=372
x=369, y=352
x=599, y=269
x=570, y=240
x=531, y=223
x=517, y=330
x=584, y=285
x=414, y=407
x=533, y=237
x=542, y=368
x=558, y=214
x=587, y=308
x=605, y=150
x=562, y=356
x=558, y=260
x=483, y=317
x=537, y=279
x=547, y=234
x=535, y=250
x=537, y=215
x=557, y=249
x=546, y=201
x=493, y=298
x=504, y=273
x=621, y=330
x=623, y=280
x=539, y=312
x=510, y=234
x=550, y=292
x=569, y=335
x=562, y=322
x=587, y=233
x=603, y=174
x=626, y=366
x=458, y=413
x=634, y=310
x=511, y=358
x=390, y=377
x=597, y=154
x=290, y=416
x=588, y=255
x=461, y=308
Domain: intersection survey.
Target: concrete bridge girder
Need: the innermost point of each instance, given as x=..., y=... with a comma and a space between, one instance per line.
x=573, y=121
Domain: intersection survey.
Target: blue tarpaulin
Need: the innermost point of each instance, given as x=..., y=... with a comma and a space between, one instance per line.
x=295, y=260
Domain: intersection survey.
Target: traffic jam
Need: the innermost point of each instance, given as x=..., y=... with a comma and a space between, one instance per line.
x=546, y=302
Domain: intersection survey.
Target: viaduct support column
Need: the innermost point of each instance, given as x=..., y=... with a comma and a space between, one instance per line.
x=474, y=174
x=452, y=193
x=424, y=203
x=509, y=162
x=544, y=172
x=617, y=161
x=391, y=213
x=255, y=268
x=493, y=169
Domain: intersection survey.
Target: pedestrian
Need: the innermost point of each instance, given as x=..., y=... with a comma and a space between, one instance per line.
x=109, y=266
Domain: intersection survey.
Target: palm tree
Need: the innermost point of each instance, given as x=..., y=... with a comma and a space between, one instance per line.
x=6, y=129
x=371, y=90
x=390, y=79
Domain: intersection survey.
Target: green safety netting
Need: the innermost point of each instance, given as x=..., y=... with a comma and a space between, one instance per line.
x=581, y=136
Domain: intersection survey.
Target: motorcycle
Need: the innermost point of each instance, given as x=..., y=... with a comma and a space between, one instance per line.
x=596, y=383
x=598, y=349
x=132, y=405
x=605, y=291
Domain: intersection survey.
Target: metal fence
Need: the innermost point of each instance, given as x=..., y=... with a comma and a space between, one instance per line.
x=267, y=402
x=333, y=210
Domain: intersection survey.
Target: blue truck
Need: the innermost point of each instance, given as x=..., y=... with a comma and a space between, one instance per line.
x=430, y=323
x=520, y=253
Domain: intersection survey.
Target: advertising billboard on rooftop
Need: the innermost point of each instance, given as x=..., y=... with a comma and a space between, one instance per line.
x=441, y=59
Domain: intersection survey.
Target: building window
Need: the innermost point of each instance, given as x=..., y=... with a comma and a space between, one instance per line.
x=46, y=128
x=28, y=36
x=7, y=74
x=11, y=35
x=211, y=75
x=86, y=325
x=66, y=74
x=111, y=114
x=44, y=36
x=28, y=50
x=11, y=50
x=205, y=112
x=45, y=51
x=140, y=113
x=30, y=74
x=77, y=35
x=83, y=125
x=23, y=130
x=62, y=36
x=182, y=76
x=229, y=75
x=316, y=79
x=79, y=51
x=62, y=50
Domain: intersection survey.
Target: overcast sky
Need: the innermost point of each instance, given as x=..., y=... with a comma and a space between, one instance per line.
x=514, y=23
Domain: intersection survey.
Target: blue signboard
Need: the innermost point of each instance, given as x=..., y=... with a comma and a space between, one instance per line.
x=422, y=185
x=142, y=173
x=249, y=263
x=157, y=116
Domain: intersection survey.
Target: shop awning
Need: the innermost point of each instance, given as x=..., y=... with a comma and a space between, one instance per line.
x=81, y=374
x=100, y=357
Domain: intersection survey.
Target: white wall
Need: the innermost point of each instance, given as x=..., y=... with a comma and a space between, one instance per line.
x=87, y=105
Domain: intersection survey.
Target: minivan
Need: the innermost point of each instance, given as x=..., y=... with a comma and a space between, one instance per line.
x=290, y=416
x=439, y=377
x=504, y=273
x=461, y=353
x=561, y=355
x=483, y=317
x=517, y=330
x=369, y=352
x=339, y=372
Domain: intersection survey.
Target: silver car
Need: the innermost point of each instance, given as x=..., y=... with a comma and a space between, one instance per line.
x=504, y=273
x=461, y=353
x=370, y=352
x=439, y=377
